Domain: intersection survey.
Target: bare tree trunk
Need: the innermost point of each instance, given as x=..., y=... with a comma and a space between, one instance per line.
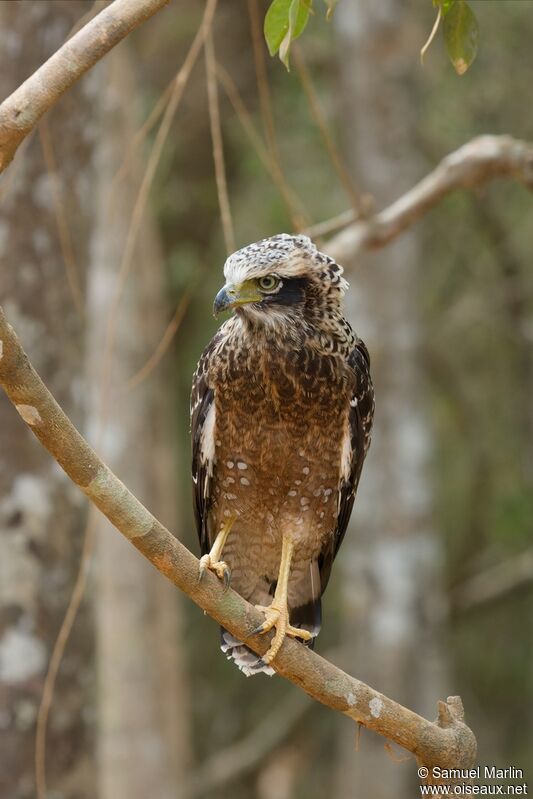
x=42, y=516
x=392, y=594
x=142, y=697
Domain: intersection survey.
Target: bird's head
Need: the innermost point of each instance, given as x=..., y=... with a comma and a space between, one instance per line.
x=283, y=278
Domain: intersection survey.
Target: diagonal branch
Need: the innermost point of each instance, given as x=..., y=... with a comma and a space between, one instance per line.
x=232, y=761
x=22, y=110
x=447, y=743
x=494, y=583
x=472, y=165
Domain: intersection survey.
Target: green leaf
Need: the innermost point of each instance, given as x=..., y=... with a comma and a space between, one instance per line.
x=285, y=46
x=285, y=20
x=461, y=35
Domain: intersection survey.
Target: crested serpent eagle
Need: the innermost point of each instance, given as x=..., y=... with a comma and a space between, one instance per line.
x=281, y=416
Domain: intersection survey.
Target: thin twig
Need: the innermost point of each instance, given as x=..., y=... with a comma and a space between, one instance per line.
x=481, y=160
x=494, y=583
x=431, y=36
x=361, y=204
x=142, y=133
x=297, y=214
x=338, y=222
x=242, y=757
x=142, y=196
x=164, y=343
x=217, y=143
x=63, y=229
x=58, y=651
x=293, y=202
x=8, y=181
x=261, y=74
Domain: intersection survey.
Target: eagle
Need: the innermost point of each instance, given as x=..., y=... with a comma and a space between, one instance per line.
x=282, y=405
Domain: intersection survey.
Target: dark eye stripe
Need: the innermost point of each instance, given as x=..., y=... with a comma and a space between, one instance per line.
x=291, y=292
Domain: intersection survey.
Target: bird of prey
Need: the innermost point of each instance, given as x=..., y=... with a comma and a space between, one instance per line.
x=281, y=415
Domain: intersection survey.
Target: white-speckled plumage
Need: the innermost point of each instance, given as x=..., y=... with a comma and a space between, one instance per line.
x=282, y=451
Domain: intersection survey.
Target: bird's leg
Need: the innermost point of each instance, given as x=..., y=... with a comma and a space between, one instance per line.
x=277, y=614
x=212, y=560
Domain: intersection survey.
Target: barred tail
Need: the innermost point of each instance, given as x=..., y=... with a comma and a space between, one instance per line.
x=307, y=615
x=246, y=660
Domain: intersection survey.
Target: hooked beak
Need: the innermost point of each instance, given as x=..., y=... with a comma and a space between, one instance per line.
x=234, y=294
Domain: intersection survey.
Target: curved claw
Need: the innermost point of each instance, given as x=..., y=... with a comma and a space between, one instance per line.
x=278, y=618
x=219, y=567
x=227, y=577
x=259, y=629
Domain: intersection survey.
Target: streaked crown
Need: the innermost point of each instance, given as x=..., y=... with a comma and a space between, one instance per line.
x=287, y=257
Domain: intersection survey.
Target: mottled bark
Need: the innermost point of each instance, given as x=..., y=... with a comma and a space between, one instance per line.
x=142, y=688
x=41, y=518
x=393, y=603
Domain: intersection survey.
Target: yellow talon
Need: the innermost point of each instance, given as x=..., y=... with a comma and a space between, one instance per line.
x=213, y=559
x=277, y=614
x=278, y=617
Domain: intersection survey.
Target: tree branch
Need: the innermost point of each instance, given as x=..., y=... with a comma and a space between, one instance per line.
x=22, y=110
x=471, y=166
x=241, y=757
x=493, y=584
x=447, y=743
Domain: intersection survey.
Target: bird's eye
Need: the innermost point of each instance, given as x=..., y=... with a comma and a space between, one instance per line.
x=268, y=282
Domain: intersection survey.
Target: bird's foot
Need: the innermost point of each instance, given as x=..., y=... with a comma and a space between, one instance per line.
x=219, y=567
x=278, y=617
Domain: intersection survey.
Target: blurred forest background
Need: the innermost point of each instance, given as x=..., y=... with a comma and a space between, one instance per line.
x=431, y=594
